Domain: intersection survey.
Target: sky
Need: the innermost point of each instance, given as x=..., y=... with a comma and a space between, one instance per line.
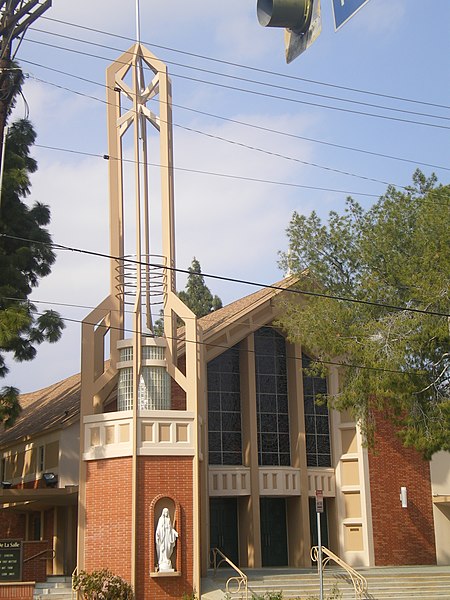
x=362, y=108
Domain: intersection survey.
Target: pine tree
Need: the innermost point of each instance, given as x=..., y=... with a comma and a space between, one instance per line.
x=22, y=264
x=397, y=253
x=197, y=295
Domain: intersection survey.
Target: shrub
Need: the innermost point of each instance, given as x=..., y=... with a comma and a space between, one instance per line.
x=102, y=585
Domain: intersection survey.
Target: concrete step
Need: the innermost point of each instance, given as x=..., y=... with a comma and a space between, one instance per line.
x=402, y=583
x=56, y=587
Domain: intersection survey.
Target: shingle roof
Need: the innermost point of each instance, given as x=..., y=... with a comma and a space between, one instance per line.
x=226, y=314
x=45, y=409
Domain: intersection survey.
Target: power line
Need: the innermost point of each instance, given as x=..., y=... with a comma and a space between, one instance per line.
x=238, y=122
x=210, y=344
x=247, y=67
x=261, y=94
x=245, y=79
x=211, y=173
x=232, y=279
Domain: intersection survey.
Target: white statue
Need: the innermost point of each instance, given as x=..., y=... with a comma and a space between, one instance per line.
x=165, y=538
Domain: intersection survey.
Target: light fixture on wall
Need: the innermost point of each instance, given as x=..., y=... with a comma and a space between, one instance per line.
x=404, y=497
x=50, y=479
x=6, y=485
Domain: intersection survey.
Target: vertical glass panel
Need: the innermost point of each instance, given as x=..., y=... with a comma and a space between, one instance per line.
x=224, y=409
x=271, y=398
x=317, y=424
x=125, y=389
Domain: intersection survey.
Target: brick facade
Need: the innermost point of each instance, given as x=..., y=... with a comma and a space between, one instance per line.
x=172, y=477
x=108, y=520
x=16, y=591
x=402, y=536
x=35, y=569
x=108, y=516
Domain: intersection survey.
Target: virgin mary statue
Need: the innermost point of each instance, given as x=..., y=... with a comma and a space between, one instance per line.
x=165, y=538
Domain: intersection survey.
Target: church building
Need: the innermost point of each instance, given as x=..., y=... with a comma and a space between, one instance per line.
x=206, y=436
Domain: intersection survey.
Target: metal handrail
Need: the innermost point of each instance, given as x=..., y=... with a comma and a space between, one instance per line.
x=241, y=579
x=359, y=582
x=53, y=554
x=74, y=592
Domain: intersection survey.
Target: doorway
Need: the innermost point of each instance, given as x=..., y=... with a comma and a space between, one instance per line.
x=223, y=515
x=274, y=551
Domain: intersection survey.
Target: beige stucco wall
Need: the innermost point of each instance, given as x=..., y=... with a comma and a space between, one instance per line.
x=69, y=454
x=440, y=486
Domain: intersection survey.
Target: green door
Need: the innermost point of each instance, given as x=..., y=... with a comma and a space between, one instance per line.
x=273, y=532
x=323, y=523
x=224, y=527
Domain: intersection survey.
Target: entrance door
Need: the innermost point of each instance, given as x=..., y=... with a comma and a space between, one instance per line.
x=323, y=523
x=223, y=534
x=273, y=532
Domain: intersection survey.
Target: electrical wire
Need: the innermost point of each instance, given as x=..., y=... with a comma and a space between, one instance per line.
x=295, y=291
x=235, y=121
x=248, y=67
x=247, y=80
x=261, y=94
x=211, y=173
x=182, y=339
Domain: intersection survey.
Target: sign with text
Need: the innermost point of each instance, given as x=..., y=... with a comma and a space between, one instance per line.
x=10, y=560
x=343, y=10
x=319, y=501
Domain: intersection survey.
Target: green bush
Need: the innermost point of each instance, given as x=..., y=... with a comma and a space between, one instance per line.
x=102, y=585
x=268, y=596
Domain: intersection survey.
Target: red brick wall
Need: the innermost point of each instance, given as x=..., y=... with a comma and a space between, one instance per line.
x=108, y=516
x=402, y=536
x=12, y=526
x=35, y=569
x=16, y=591
x=172, y=477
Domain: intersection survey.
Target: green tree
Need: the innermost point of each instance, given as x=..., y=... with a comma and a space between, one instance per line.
x=22, y=263
x=197, y=295
x=396, y=253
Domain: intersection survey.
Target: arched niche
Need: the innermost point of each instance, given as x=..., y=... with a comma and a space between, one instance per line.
x=156, y=507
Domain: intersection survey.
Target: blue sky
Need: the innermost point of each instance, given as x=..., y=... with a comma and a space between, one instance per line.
x=391, y=48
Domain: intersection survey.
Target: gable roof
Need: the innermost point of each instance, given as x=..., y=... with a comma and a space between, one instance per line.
x=223, y=316
x=56, y=405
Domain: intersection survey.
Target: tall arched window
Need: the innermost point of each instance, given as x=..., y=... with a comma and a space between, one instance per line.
x=272, y=398
x=317, y=427
x=224, y=409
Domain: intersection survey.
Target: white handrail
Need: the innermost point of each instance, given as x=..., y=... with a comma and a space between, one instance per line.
x=359, y=582
x=241, y=579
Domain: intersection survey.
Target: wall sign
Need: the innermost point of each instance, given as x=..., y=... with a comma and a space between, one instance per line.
x=10, y=560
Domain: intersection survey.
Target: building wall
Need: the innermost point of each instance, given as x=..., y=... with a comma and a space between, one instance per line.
x=69, y=455
x=170, y=477
x=402, y=536
x=12, y=525
x=108, y=516
x=440, y=485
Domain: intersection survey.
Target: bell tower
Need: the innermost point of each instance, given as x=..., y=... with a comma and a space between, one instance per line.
x=139, y=425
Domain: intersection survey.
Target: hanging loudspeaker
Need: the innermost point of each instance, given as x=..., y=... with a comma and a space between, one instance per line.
x=291, y=14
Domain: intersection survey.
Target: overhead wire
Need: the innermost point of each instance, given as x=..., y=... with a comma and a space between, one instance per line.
x=234, y=121
x=295, y=291
x=247, y=67
x=245, y=79
x=261, y=94
x=226, y=347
